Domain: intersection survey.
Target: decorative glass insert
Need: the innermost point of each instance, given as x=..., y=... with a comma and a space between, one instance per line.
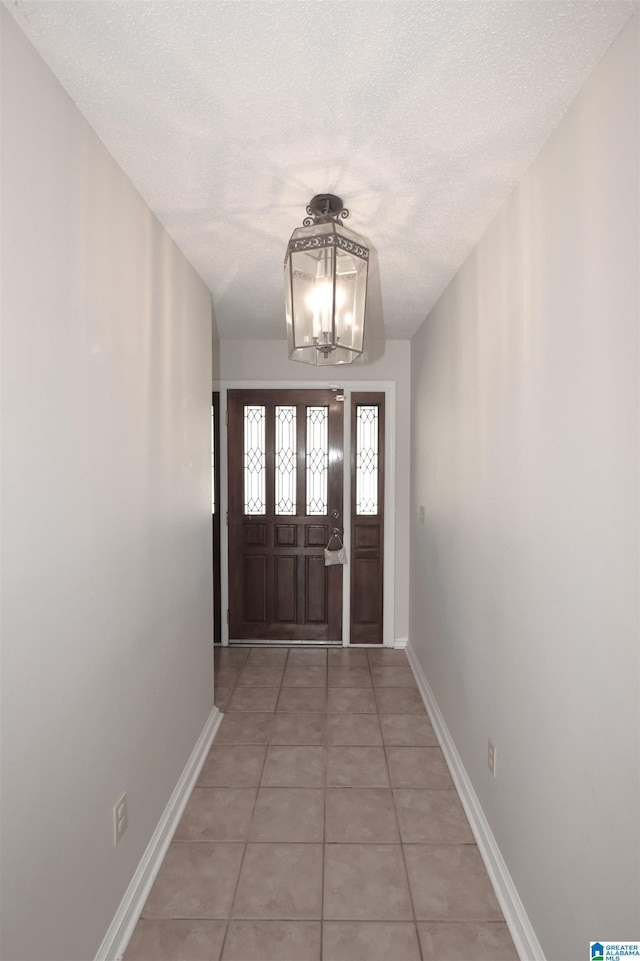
x=317, y=459
x=213, y=461
x=254, y=460
x=285, y=460
x=366, y=459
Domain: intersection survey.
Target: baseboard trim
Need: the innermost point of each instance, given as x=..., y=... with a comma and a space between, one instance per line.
x=520, y=927
x=126, y=917
x=400, y=643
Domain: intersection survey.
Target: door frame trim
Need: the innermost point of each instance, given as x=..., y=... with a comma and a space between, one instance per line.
x=388, y=388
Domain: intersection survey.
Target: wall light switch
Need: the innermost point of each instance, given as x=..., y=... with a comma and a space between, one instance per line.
x=421, y=514
x=491, y=757
x=120, y=818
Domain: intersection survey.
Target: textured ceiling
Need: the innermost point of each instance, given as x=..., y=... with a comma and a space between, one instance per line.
x=229, y=115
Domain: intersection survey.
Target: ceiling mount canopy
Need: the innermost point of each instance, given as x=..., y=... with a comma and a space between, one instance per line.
x=324, y=207
x=326, y=268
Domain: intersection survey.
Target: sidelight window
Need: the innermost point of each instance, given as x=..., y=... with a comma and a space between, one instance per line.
x=213, y=459
x=367, y=460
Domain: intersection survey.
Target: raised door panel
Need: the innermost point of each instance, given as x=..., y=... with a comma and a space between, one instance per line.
x=285, y=535
x=285, y=589
x=316, y=590
x=255, y=535
x=255, y=589
x=367, y=596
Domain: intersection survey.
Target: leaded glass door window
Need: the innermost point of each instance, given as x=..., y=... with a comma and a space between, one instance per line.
x=254, y=466
x=317, y=459
x=286, y=460
x=285, y=496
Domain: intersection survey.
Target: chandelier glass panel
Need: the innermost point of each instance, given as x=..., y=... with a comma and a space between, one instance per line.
x=326, y=270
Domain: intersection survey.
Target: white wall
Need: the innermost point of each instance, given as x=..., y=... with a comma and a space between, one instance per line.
x=106, y=531
x=267, y=360
x=524, y=593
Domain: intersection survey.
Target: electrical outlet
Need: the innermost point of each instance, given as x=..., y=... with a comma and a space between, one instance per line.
x=491, y=757
x=421, y=514
x=120, y=819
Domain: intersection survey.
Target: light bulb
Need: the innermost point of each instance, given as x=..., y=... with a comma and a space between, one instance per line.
x=320, y=301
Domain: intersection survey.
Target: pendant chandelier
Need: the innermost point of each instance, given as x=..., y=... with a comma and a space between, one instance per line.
x=325, y=271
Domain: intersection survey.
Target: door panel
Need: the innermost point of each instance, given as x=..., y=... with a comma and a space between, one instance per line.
x=285, y=535
x=285, y=577
x=255, y=588
x=285, y=481
x=316, y=590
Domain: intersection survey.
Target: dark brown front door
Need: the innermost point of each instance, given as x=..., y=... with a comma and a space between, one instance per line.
x=285, y=498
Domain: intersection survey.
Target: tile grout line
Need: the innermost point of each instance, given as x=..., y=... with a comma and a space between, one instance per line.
x=404, y=860
x=249, y=825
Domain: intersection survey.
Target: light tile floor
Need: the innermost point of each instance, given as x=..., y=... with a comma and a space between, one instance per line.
x=324, y=825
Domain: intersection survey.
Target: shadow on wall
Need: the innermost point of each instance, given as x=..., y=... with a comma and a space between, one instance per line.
x=215, y=347
x=374, y=319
